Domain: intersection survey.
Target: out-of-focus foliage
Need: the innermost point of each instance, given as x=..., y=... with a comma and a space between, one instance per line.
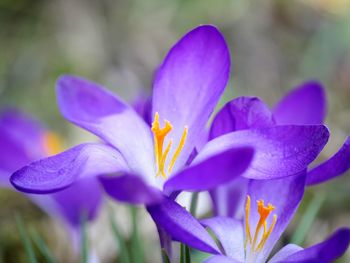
x=274, y=45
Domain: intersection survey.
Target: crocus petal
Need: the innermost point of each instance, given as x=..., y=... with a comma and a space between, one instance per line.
x=285, y=195
x=303, y=105
x=338, y=164
x=182, y=226
x=240, y=114
x=189, y=83
x=285, y=252
x=230, y=233
x=327, y=251
x=83, y=197
x=90, y=106
x=211, y=172
x=228, y=198
x=131, y=189
x=60, y=171
x=12, y=154
x=24, y=131
x=143, y=107
x=220, y=259
x=279, y=151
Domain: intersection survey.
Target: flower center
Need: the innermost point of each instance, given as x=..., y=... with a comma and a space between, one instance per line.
x=256, y=243
x=160, y=155
x=52, y=143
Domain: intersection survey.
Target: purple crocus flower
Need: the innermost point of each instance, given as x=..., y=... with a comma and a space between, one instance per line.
x=23, y=140
x=304, y=105
x=152, y=161
x=269, y=206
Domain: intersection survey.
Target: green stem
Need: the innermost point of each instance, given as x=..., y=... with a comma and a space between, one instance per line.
x=194, y=203
x=123, y=250
x=136, y=247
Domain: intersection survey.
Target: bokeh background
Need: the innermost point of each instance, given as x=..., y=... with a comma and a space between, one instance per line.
x=275, y=45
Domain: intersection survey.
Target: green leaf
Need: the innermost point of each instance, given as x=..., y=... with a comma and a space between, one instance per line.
x=39, y=242
x=25, y=240
x=307, y=219
x=123, y=254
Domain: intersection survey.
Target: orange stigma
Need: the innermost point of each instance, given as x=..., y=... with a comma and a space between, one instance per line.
x=159, y=154
x=52, y=143
x=264, y=212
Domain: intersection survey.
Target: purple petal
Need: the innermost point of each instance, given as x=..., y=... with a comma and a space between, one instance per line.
x=143, y=107
x=90, y=106
x=81, y=198
x=190, y=82
x=240, y=114
x=211, y=172
x=220, y=259
x=279, y=151
x=12, y=154
x=327, y=251
x=285, y=195
x=229, y=198
x=131, y=189
x=304, y=105
x=230, y=233
x=57, y=172
x=27, y=132
x=338, y=164
x=182, y=226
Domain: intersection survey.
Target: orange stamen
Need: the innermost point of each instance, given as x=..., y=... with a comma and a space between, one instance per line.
x=159, y=135
x=264, y=212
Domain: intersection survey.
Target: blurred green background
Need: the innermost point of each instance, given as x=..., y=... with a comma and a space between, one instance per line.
x=275, y=45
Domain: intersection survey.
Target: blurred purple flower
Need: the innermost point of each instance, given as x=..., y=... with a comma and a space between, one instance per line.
x=23, y=140
x=304, y=105
x=152, y=161
x=269, y=207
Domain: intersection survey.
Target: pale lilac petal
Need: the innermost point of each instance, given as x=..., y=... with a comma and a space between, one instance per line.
x=338, y=164
x=285, y=195
x=212, y=172
x=304, y=105
x=220, y=259
x=327, y=251
x=230, y=233
x=285, y=252
x=240, y=114
x=131, y=189
x=94, y=108
x=182, y=226
x=279, y=151
x=60, y=171
x=189, y=83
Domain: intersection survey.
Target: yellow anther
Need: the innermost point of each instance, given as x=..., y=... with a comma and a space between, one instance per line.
x=52, y=143
x=178, y=150
x=264, y=212
x=163, y=159
x=159, y=135
x=247, y=227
